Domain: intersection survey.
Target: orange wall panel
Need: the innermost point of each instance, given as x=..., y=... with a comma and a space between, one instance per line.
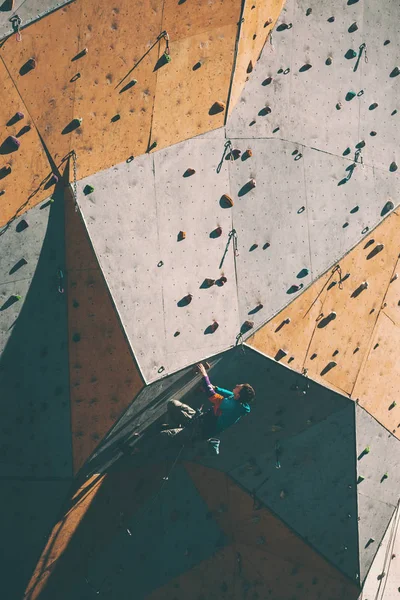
x=254, y=32
x=24, y=186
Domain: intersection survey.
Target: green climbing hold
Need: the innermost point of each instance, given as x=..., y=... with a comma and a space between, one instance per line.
x=392, y=405
x=360, y=479
x=385, y=476
x=350, y=54
x=350, y=95
x=88, y=189
x=17, y=297
x=366, y=450
x=167, y=57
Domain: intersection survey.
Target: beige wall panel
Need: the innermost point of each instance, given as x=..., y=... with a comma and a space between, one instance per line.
x=184, y=96
x=391, y=302
x=46, y=90
x=24, y=186
x=252, y=39
x=378, y=383
x=292, y=337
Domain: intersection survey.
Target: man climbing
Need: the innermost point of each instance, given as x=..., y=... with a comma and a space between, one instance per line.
x=228, y=407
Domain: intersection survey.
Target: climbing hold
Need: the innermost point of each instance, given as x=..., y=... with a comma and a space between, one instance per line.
x=353, y=27
x=217, y=107
x=2, y=192
x=305, y=67
x=372, y=133
x=31, y=63
x=253, y=247
x=16, y=297
x=222, y=280
x=214, y=326
x=350, y=95
x=364, y=285
x=12, y=142
x=88, y=189
x=167, y=56
x=268, y=22
x=366, y=450
x=395, y=72
x=177, y=333
x=189, y=172
x=209, y=282
x=130, y=159
x=226, y=201
x=395, y=276
x=282, y=494
x=267, y=81
x=308, y=12
x=235, y=153
x=19, y=116
x=328, y=61
x=338, y=106
x=6, y=170
x=360, y=145
x=373, y=106
x=115, y=118
x=360, y=479
x=249, y=67
x=331, y=19
x=393, y=167
x=280, y=354
x=248, y=153
x=247, y=325
x=266, y=245
x=392, y=405
x=181, y=235
x=287, y=321
x=252, y=183
x=152, y=146
x=385, y=476
x=218, y=231
x=350, y=54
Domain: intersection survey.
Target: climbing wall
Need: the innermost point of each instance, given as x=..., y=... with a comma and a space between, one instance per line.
x=27, y=13
x=103, y=384
x=339, y=330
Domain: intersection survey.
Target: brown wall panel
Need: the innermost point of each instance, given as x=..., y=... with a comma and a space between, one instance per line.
x=103, y=373
x=254, y=32
x=26, y=185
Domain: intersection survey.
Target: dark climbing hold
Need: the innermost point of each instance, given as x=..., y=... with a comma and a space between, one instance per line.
x=207, y=283
x=305, y=67
x=80, y=54
x=128, y=86
x=324, y=322
x=247, y=154
x=373, y=106
x=221, y=281
x=350, y=95
x=346, y=224
x=130, y=159
x=72, y=125
x=338, y=106
x=189, y=172
x=177, y=333
x=216, y=108
x=253, y=247
x=212, y=328
x=6, y=170
x=115, y=118
x=10, y=144
x=255, y=310
x=247, y=325
x=197, y=66
x=275, y=130
x=394, y=112
x=360, y=145
x=185, y=300
x=393, y=167
x=267, y=81
x=88, y=189
x=391, y=407
x=76, y=337
x=354, y=210
x=303, y=273
x=216, y=232
x=328, y=61
x=280, y=354
x=353, y=27
x=386, y=42
x=266, y=245
x=350, y=2
x=360, y=479
x=301, y=210
x=308, y=12
x=181, y=236
x=21, y=263
x=395, y=72
x=346, y=152
x=387, y=208
x=249, y=67
x=372, y=133
x=328, y=367
x=284, y=26
x=295, y=288
x=331, y=20
x=280, y=71
x=350, y=54
x=28, y=66
x=21, y=226
x=265, y=111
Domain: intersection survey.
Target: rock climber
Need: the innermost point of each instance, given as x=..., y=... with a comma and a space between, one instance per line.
x=228, y=407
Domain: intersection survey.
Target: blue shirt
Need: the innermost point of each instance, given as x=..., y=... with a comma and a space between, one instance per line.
x=232, y=410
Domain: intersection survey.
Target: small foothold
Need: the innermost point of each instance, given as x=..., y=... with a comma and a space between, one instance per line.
x=395, y=276
x=395, y=72
x=189, y=172
x=152, y=146
x=268, y=22
x=350, y=54
x=31, y=63
x=253, y=247
x=308, y=12
x=350, y=95
x=12, y=142
x=252, y=183
x=267, y=81
x=218, y=231
x=372, y=133
x=115, y=118
x=392, y=405
x=209, y=282
x=373, y=106
x=385, y=476
x=88, y=189
x=353, y=27
x=19, y=116
x=177, y=333
x=188, y=298
x=366, y=450
x=250, y=67
x=393, y=167
x=248, y=153
x=247, y=325
x=338, y=106
x=181, y=235
x=266, y=245
x=214, y=326
x=331, y=20
x=360, y=479
x=6, y=170
x=226, y=200
x=328, y=61
x=364, y=285
x=222, y=280
x=217, y=107
x=287, y=321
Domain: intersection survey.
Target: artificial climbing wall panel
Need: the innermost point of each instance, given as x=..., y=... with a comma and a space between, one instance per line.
x=27, y=11
x=103, y=372
x=24, y=170
x=319, y=88
x=329, y=329
x=258, y=21
x=298, y=219
x=34, y=408
x=202, y=45
x=166, y=306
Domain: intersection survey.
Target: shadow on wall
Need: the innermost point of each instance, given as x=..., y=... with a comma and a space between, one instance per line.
x=34, y=405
